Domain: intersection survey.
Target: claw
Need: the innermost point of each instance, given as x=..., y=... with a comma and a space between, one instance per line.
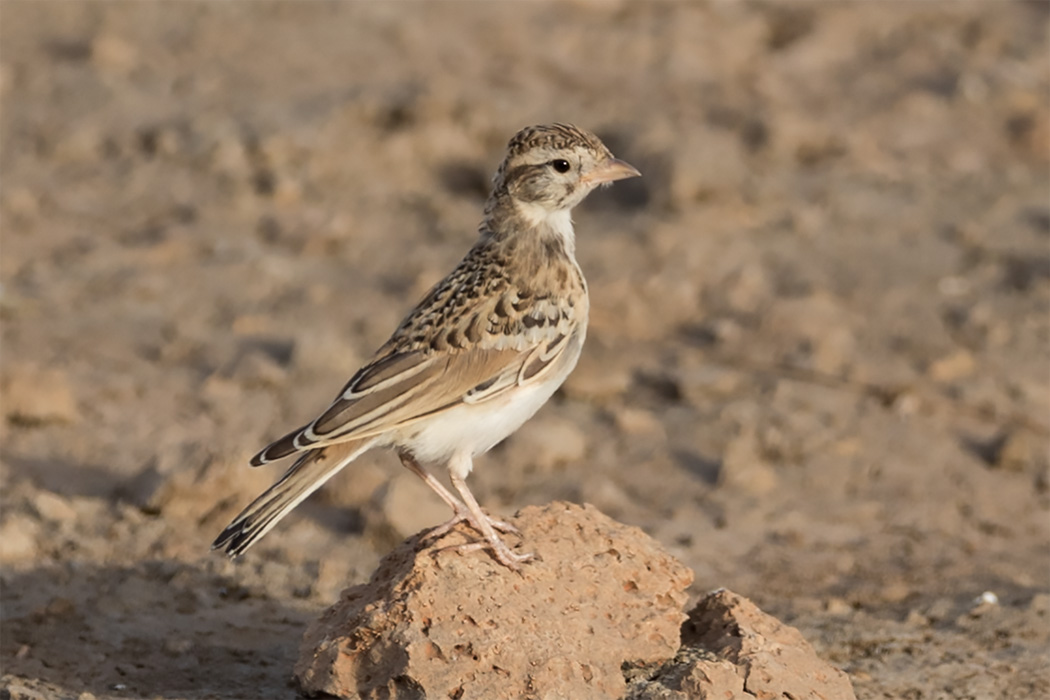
x=461, y=516
x=504, y=554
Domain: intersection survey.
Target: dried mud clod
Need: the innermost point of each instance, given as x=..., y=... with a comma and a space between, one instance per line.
x=597, y=615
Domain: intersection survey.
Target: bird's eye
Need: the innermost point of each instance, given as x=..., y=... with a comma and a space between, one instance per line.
x=561, y=165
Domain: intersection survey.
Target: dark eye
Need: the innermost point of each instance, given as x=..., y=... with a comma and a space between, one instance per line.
x=561, y=165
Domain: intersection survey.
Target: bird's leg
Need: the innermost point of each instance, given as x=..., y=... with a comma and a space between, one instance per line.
x=487, y=527
x=460, y=511
x=416, y=468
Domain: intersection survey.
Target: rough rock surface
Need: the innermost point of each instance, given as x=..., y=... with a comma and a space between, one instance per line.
x=734, y=651
x=443, y=624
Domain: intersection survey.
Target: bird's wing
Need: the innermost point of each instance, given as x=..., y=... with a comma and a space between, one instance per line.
x=486, y=352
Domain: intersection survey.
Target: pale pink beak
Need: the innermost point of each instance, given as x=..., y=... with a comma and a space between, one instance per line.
x=611, y=170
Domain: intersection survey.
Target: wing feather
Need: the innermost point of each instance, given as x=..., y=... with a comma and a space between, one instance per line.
x=456, y=347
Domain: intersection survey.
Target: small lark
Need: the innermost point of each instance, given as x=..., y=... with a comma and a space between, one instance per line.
x=479, y=355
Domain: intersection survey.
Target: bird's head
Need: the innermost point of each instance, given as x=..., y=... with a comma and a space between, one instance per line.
x=549, y=169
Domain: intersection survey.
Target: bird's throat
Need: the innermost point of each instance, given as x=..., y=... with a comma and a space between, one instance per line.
x=548, y=224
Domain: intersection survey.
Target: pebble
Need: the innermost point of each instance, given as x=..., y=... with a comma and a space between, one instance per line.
x=707, y=384
x=35, y=395
x=21, y=202
x=51, y=506
x=838, y=607
x=817, y=323
x=638, y=421
x=957, y=365
x=1018, y=452
x=112, y=54
x=18, y=539
x=749, y=288
x=743, y=469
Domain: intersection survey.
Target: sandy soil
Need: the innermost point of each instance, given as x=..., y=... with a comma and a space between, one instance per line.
x=817, y=368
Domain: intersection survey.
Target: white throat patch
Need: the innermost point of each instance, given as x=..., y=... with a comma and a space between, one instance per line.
x=557, y=222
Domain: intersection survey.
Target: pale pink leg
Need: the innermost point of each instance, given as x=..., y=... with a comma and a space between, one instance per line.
x=461, y=512
x=485, y=525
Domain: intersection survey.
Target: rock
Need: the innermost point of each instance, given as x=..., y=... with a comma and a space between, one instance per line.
x=638, y=421
x=53, y=507
x=813, y=332
x=22, y=203
x=439, y=624
x=34, y=396
x=708, y=383
x=1020, y=451
x=112, y=54
x=743, y=468
x=18, y=540
x=748, y=288
x=731, y=649
x=950, y=368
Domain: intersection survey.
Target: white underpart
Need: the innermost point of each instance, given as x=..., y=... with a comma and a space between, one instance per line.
x=454, y=436
x=558, y=222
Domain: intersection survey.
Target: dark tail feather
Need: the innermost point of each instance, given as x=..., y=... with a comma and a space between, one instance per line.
x=278, y=449
x=304, y=477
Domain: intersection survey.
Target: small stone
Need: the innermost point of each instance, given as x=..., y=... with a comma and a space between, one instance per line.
x=984, y=603
x=895, y=591
x=838, y=607
x=51, y=506
x=112, y=54
x=916, y=619
x=744, y=469
x=814, y=331
x=35, y=396
x=749, y=288
x=939, y=609
x=1018, y=452
x=958, y=365
x=701, y=386
x=638, y=421
x=18, y=540
x=21, y=202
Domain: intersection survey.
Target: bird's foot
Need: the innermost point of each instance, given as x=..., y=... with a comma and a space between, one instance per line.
x=487, y=529
x=503, y=554
x=465, y=516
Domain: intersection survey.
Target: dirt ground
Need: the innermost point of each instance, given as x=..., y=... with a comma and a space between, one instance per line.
x=817, y=367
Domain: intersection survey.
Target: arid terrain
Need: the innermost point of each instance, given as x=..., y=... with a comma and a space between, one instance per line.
x=817, y=369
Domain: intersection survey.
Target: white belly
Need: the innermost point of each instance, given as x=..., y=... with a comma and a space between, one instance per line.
x=458, y=434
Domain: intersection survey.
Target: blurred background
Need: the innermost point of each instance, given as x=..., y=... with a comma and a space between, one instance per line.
x=817, y=367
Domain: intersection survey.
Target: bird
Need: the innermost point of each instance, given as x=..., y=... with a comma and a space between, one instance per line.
x=483, y=350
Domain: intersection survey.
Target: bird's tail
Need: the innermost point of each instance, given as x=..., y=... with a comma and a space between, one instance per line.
x=304, y=477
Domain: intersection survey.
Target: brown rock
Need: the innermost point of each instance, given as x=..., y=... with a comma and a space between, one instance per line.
x=814, y=331
x=732, y=650
x=958, y=365
x=34, y=395
x=113, y=54
x=443, y=624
